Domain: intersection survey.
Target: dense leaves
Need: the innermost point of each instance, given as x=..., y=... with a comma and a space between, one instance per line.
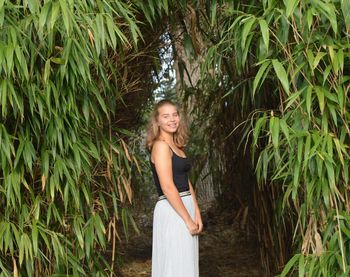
x=308, y=136
x=64, y=171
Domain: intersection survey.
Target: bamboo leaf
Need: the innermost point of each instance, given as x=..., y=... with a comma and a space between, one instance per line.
x=257, y=80
x=308, y=100
x=166, y=6
x=293, y=98
x=339, y=151
x=307, y=155
x=333, y=113
x=301, y=266
x=100, y=34
x=275, y=129
x=57, y=60
x=340, y=57
x=265, y=32
x=345, y=7
x=246, y=30
x=2, y=14
x=290, y=264
x=213, y=13
x=296, y=179
x=44, y=14
x=258, y=126
x=66, y=16
x=22, y=247
x=320, y=96
x=290, y=6
x=77, y=157
x=3, y=98
x=10, y=49
x=317, y=59
x=77, y=229
x=330, y=174
x=54, y=14
x=19, y=151
x=111, y=32
x=246, y=49
x=326, y=73
x=300, y=149
x=22, y=62
x=325, y=193
x=33, y=6
x=329, y=143
x=35, y=238
x=334, y=59
x=281, y=74
x=284, y=128
x=310, y=59
x=47, y=71
x=328, y=11
x=309, y=16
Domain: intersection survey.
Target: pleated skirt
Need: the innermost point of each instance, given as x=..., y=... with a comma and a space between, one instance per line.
x=174, y=249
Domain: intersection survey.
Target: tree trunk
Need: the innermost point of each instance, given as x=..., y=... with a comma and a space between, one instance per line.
x=187, y=62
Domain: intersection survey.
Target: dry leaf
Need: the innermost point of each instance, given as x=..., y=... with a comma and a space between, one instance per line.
x=121, y=195
x=15, y=271
x=43, y=182
x=127, y=188
x=137, y=164
x=91, y=37
x=126, y=151
x=319, y=246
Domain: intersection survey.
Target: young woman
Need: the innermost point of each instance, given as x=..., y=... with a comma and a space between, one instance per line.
x=177, y=219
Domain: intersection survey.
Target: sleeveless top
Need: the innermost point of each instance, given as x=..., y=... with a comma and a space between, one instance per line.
x=180, y=167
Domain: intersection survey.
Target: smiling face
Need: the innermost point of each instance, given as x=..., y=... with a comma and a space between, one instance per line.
x=167, y=122
x=168, y=118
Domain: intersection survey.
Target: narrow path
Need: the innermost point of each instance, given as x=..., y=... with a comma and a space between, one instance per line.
x=225, y=250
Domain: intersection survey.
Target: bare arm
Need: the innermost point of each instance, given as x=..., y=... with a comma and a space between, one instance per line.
x=194, y=196
x=198, y=217
x=163, y=164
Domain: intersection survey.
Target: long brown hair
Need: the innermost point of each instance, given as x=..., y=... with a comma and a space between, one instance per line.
x=153, y=132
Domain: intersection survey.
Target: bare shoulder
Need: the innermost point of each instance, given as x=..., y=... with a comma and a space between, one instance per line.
x=160, y=146
x=160, y=149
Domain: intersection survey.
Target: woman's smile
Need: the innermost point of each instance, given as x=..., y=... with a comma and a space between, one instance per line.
x=168, y=119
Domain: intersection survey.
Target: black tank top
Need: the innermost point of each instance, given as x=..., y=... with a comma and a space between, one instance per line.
x=180, y=166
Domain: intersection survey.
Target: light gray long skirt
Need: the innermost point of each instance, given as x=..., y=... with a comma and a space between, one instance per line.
x=174, y=249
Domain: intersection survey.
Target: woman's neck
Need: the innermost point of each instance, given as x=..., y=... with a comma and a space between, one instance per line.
x=169, y=138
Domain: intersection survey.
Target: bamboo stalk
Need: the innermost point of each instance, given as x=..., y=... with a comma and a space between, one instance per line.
x=113, y=246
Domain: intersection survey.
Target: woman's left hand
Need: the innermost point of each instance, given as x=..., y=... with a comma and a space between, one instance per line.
x=198, y=221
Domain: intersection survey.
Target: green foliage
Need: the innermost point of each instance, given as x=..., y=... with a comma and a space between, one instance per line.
x=311, y=160
x=300, y=52
x=64, y=171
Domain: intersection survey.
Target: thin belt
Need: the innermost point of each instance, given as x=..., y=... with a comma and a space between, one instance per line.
x=182, y=193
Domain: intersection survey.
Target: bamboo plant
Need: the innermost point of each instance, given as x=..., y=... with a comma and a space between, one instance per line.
x=300, y=51
x=64, y=170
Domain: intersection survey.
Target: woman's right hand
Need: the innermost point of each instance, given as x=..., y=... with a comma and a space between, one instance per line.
x=192, y=227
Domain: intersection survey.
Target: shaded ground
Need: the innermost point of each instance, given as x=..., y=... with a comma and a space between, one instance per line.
x=226, y=249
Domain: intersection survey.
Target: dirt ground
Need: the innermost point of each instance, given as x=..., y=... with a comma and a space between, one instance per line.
x=227, y=248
